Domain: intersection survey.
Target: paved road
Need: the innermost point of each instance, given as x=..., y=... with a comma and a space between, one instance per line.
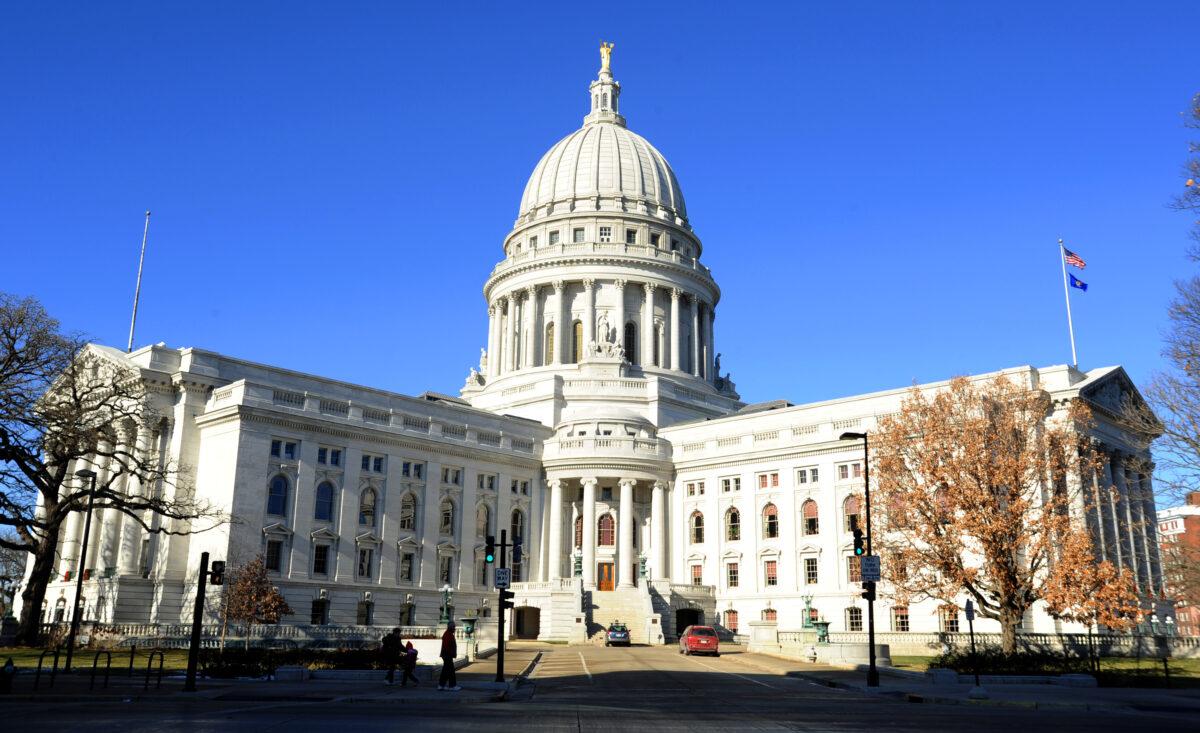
x=592, y=689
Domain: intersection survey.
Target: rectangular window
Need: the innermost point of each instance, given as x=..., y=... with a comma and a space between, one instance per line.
x=854, y=619
x=289, y=450
x=365, y=609
x=446, y=564
x=731, y=574
x=366, y=557
x=854, y=569
x=948, y=619
x=277, y=448
x=533, y=243
x=700, y=488
x=525, y=488
x=377, y=464
x=770, y=614
x=900, y=618
x=322, y=455
x=806, y=476
x=406, y=567
x=366, y=462
x=516, y=485
x=654, y=239
x=553, y=238
x=452, y=476
x=335, y=457
x=810, y=571
x=320, y=612
x=577, y=235
x=770, y=568
x=768, y=480
x=321, y=560
x=691, y=489
x=731, y=484
x=605, y=234
x=674, y=245
x=847, y=471
x=843, y=472
x=630, y=236
x=274, y=557
x=731, y=621
x=697, y=575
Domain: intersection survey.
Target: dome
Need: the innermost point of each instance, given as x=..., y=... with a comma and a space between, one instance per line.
x=605, y=160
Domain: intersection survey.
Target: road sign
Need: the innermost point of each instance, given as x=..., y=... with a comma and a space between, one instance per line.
x=869, y=568
x=503, y=577
x=970, y=608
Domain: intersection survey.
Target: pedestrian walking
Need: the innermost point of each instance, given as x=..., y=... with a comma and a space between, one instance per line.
x=390, y=650
x=447, y=681
x=409, y=666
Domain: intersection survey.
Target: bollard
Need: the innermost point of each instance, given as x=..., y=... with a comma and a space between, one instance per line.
x=7, y=672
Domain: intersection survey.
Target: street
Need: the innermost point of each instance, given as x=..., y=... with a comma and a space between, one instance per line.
x=580, y=689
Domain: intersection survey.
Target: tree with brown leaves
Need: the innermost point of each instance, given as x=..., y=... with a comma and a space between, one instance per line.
x=63, y=407
x=978, y=485
x=250, y=598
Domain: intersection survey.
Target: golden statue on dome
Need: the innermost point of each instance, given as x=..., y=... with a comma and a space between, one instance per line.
x=605, y=56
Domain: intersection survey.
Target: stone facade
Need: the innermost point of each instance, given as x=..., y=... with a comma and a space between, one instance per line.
x=598, y=428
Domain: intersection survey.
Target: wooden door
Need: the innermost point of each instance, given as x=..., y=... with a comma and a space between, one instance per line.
x=605, y=576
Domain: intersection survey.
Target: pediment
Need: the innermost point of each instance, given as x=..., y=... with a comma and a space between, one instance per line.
x=408, y=543
x=769, y=552
x=324, y=533
x=1112, y=392
x=809, y=548
x=731, y=555
x=277, y=529
x=447, y=546
x=367, y=538
x=696, y=557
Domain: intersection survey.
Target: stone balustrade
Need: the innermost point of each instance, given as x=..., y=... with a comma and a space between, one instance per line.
x=585, y=249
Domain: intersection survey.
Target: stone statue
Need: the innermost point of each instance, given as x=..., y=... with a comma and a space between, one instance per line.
x=483, y=360
x=474, y=378
x=605, y=56
x=717, y=365
x=602, y=330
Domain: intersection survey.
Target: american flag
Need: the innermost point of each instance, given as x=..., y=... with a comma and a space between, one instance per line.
x=1074, y=260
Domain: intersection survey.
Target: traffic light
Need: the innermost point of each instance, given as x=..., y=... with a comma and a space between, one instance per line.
x=489, y=550
x=858, y=542
x=516, y=551
x=217, y=576
x=506, y=597
x=869, y=590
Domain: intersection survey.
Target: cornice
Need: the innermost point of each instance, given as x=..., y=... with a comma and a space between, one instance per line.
x=624, y=261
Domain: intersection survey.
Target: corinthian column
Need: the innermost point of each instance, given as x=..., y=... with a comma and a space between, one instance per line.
x=658, y=531
x=589, y=533
x=511, y=348
x=131, y=531
x=647, y=355
x=556, y=544
x=562, y=322
x=695, y=336
x=493, y=364
x=589, y=316
x=674, y=327
x=710, y=350
x=625, y=555
x=530, y=326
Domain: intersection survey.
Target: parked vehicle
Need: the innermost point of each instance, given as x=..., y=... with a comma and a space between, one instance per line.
x=699, y=640
x=618, y=634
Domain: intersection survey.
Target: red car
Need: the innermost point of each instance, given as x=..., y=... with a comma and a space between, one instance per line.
x=699, y=640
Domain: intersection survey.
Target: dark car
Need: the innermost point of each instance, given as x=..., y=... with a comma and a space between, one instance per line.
x=699, y=640
x=617, y=635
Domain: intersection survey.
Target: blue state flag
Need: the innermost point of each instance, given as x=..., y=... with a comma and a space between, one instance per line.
x=1077, y=283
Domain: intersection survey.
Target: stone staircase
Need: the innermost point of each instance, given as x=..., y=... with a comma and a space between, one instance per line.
x=630, y=606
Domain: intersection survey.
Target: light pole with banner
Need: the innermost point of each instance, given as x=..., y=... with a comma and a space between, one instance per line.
x=868, y=585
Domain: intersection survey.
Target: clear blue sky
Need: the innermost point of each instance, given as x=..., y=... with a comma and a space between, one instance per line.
x=879, y=188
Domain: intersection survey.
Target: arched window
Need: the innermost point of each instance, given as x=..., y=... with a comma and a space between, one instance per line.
x=447, y=512
x=576, y=342
x=517, y=528
x=483, y=521
x=578, y=532
x=696, y=523
x=770, y=522
x=324, y=506
x=809, y=512
x=277, y=496
x=548, y=350
x=851, y=509
x=733, y=525
x=605, y=98
x=607, y=528
x=366, y=508
x=631, y=343
x=408, y=512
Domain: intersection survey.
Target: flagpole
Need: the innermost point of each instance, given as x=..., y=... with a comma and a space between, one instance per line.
x=137, y=291
x=1062, y=256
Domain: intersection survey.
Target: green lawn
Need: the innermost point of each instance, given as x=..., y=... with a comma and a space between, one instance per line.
x=27, y=658
x=1114, y=671
x=912, y=664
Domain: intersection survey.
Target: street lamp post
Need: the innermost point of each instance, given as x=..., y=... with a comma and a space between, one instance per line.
x=87, y=529
x=869, y=586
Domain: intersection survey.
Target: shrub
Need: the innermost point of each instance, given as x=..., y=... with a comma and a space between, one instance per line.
x=994, y=661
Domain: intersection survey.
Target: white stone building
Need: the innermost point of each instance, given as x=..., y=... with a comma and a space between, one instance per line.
x=598, y=429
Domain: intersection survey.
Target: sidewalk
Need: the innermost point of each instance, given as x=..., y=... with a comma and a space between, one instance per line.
x=909, y=687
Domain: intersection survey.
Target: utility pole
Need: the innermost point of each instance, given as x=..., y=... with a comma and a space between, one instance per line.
x=197, y=616
x=503, y=600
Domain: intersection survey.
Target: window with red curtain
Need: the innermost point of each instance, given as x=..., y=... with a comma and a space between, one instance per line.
x=809, y=512
x=770, y=522
x=608, y=534
x=769, y=614
x=771, y=571
x=852, y=511
x=731, y=621
x=697, y=575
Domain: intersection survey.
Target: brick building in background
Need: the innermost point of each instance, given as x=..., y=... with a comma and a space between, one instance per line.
x=1179, y=533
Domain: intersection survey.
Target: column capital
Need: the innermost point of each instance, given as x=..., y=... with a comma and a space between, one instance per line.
x=629, y=481
x=559, y=286
x=676, y=293
x=619, y=283
x=660, y=485
x=590, y=481
x=649, y=288
x=510, y=297
x=531, y=291
x=589, y=283
x=491, y=311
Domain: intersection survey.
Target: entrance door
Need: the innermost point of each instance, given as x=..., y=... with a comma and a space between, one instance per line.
x=686, y=617
x=604, y=576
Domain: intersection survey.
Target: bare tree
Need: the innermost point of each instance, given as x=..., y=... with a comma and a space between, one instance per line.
x=250, y=598
x=12, y=568
x=64, y=406
x=977, y=497
x=1189, y=200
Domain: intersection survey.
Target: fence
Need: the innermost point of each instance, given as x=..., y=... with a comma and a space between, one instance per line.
x=284, y=636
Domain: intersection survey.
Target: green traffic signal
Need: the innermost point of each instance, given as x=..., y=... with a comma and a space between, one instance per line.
x=489, y=550
x=858, y=542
